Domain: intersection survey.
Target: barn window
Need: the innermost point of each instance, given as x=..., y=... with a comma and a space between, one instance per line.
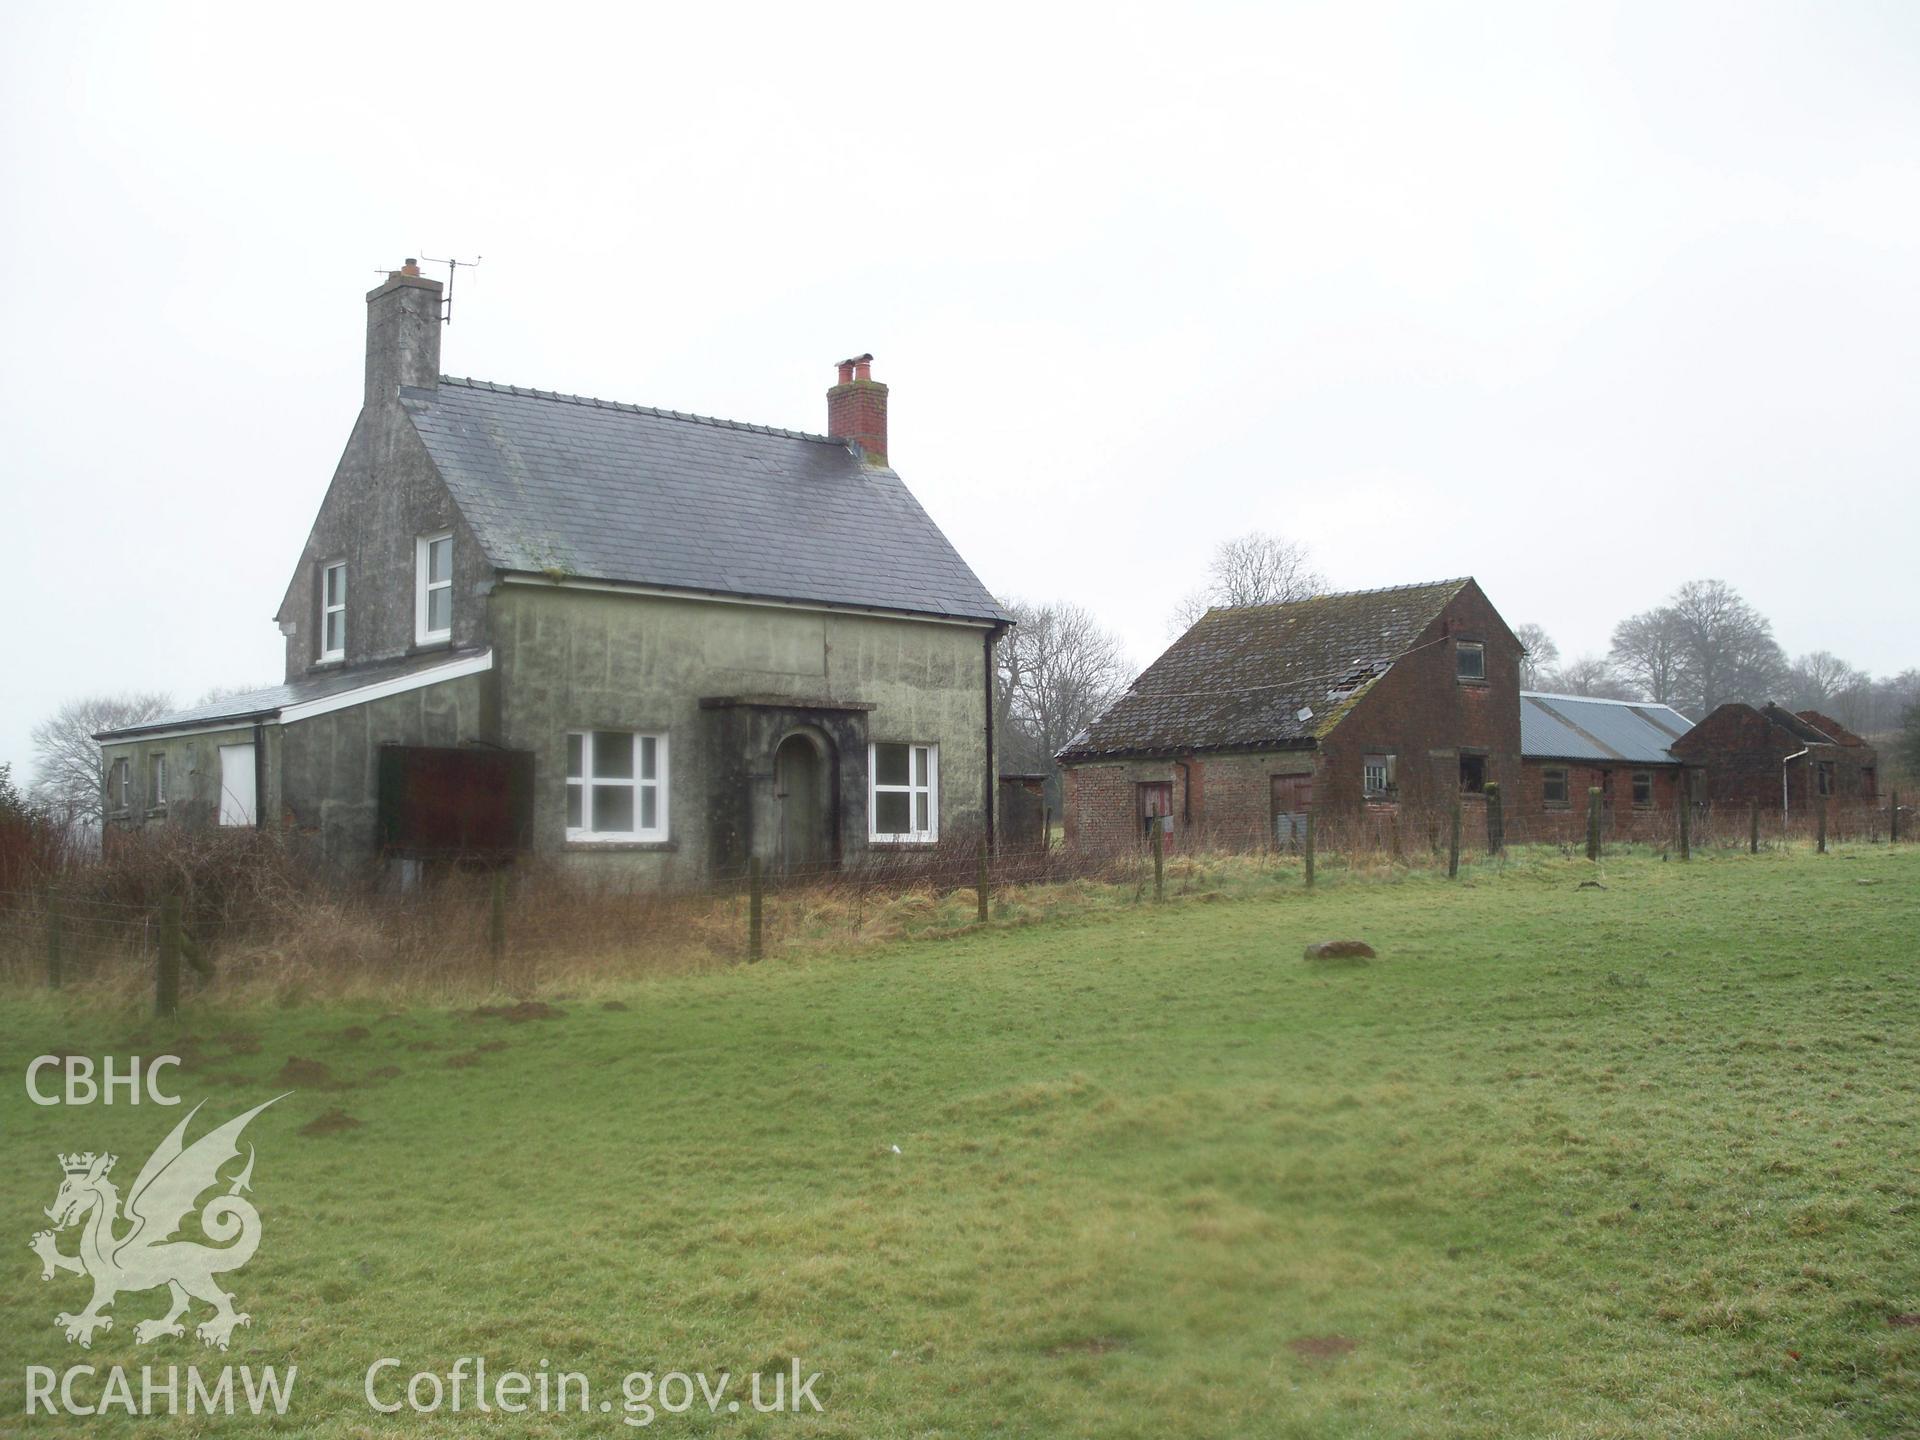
x=1473, y=774
x=1825, y=776
x=904, y=803
x=1642, y=788
x=616, y=786
x=433, y=588
x=1377, y=775
x=1553, y=786
x=333, y=611
x=1470, y=660
x=1153, y=802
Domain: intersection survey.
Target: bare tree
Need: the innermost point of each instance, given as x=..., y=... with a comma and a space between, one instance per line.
x=1590, y=675
x=1541, y=657
x=1821, y=679
x=1252, y=569
x=1058, y=671
x=1646, y=652
x=66, y=757
x=1727, y=647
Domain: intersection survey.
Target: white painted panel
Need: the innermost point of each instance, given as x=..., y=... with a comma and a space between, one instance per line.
x=236, y=785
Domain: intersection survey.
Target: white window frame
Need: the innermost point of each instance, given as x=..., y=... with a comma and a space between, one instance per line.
x=330, y=608
x=422, y=554
x=911, y=790
x=121, y=784
x=1381, y=760
x=157, y=780
x=585, y=782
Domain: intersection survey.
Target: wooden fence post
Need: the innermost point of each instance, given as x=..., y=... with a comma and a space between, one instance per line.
x=1496, y=820
x=1159, y=861
x=1593, y=822
x=753, y=909
x=1453, y=842
x=55, y=962
x=1893, y=820
x=166, y=986
x=981, y=883
x=1686, y=821
x=497, y=923
x=1307, y=845
x=1820, y=826
x=1753, y=831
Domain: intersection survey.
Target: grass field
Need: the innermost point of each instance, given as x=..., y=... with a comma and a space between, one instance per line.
x=1640, y=1160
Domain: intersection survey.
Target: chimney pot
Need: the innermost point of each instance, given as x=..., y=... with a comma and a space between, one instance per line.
x=857, y=408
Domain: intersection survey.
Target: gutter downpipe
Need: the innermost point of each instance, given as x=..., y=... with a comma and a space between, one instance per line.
x=1786, y=761
x=986, y=675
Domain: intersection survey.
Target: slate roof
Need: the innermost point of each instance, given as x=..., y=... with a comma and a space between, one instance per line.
x=604, y=491
x=1579, y=727
x=267, y=703
x=1240, y=678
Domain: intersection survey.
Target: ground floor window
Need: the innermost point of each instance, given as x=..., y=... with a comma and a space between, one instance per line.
x=1553, y=786
x=616, y=785
x=1153, y=804
x=1825, y=777
x=156, y=782
x=1642, y=788
x=1473, y=774
x=1377, y=779
x=904, y=792
x=1869, y=783
x=119, y=786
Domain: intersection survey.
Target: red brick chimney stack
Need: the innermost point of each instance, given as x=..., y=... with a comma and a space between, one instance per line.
x=857, y=409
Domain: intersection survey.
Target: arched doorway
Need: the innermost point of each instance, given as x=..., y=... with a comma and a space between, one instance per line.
x=806, y=812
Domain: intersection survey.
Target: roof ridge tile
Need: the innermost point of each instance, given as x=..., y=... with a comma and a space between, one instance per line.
x=594, y=402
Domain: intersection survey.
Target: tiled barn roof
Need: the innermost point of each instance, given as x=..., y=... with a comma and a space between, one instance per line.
x=1264, y=675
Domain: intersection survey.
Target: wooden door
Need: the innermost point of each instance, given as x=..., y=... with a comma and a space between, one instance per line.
x=1292, y=799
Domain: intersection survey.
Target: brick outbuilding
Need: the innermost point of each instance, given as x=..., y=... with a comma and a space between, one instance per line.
x=1779, y=760
x=1573, y=744
x=1370, y=704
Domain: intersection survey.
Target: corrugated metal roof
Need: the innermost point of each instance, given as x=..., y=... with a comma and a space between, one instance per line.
x=1579, y=727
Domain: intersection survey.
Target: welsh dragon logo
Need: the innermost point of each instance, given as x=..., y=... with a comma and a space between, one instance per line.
x=147, y=1256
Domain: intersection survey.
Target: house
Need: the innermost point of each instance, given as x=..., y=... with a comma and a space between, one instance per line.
x=1573, y=744
x=646, y=644
x=1778, y=760
x=1374, y=700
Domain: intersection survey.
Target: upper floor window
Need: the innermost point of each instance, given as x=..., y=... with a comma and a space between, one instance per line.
x=904, y=792
x=1376, y=775
x=333, y=611
x=1470, y=660
x=433, y=588
x=616, y=786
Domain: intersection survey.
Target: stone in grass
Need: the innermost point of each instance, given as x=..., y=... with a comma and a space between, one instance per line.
x=1340, y=950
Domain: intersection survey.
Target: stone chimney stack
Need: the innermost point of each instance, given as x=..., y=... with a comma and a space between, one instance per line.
x=403, y=334
x=857, y=409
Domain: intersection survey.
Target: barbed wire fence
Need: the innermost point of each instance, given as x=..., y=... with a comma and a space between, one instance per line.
x=186, y=917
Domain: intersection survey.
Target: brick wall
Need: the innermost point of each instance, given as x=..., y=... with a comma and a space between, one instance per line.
x=1620, y=818
x=1219, y=801
x=1743, y=752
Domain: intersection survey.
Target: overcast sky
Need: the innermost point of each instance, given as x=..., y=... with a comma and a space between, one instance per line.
x=1584, y=301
